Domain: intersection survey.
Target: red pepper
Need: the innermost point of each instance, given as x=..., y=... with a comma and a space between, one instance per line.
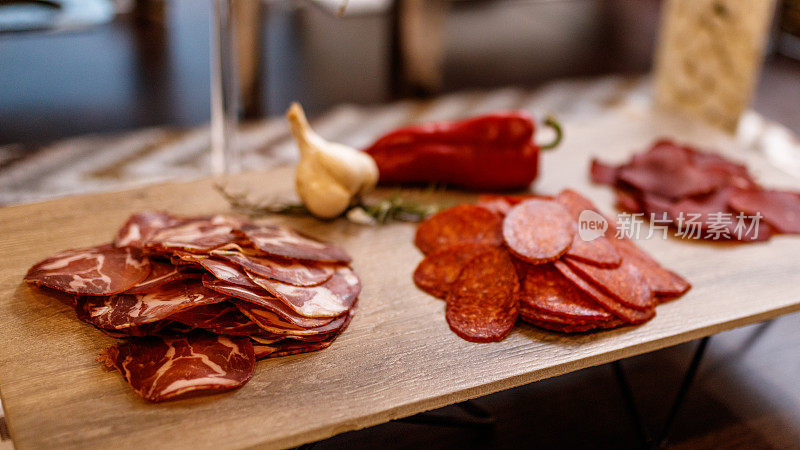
x=493, y=152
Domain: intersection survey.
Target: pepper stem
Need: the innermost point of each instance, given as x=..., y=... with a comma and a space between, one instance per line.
x=553, y=123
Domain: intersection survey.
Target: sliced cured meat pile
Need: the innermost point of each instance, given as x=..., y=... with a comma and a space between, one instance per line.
x=701, y=194
x=199, y=299
x=540, y=271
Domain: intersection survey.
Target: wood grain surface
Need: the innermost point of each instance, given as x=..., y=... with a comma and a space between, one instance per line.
x=398, y=356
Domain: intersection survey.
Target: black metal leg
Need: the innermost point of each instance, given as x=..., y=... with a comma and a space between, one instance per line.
x=477, y=417
x=691, y=373
x=630, y=401
x=630, y=404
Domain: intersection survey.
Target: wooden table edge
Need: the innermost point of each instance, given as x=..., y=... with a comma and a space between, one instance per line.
x=413, y=408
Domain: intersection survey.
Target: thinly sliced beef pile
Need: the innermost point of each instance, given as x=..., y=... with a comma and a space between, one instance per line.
x=521, y=257
x=200, y=299
x=702, y=194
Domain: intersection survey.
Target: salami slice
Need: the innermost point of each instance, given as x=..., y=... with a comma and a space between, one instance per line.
x=274, y=324
x=142, y=226
x=569, y=329
x=162, y=273
x=630, y=315
x=662, y=282
x=265, y=300
x=160, y=369
x=129, y=310
x=482, y=304
x=285, y=271
x=598, y=251
x=437, y=271
x=625, y=283
x=545, y=288
x=220, y=318
x=526, y=311
x=330, y=299
x=463, y=224
x=781, y=209
x=539, y=231
x=286, y=243
x=102, y=270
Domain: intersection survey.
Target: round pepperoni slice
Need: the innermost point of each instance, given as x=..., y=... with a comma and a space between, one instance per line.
x=102, y=270
x=625, y=283
x=545, y=288
x=482, y=305
x=539, y=231
x=439, y=270
x=630, y=315
x=463, y=224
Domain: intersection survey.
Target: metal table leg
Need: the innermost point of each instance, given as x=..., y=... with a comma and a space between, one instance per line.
x=477, y=417
x=630, y=402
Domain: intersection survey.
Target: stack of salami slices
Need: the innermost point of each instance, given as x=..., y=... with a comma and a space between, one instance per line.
x=678, y=184
x=199, y=299
x=521, y=257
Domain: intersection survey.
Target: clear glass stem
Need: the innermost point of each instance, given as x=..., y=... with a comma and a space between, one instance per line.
x=225, y=157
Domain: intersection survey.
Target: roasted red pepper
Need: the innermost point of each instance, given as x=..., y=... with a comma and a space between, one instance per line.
x=491, y=152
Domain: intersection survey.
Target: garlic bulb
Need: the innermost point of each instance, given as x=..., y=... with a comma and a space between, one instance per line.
x=330, y=176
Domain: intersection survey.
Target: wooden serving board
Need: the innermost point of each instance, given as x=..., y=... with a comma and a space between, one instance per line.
x=398, y=356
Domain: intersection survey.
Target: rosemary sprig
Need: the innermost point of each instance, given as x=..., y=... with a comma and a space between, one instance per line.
x=394, y=208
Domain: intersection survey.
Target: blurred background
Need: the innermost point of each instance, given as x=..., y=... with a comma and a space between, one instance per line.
x=69, y=67
x=105, y=94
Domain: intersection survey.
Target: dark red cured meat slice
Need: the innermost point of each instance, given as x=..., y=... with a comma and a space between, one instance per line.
x=667, y=170
x=148, y=329
x=437, y=271
x=160, y=369
x=285, y=271
x=630, y=315
x=702, y=210
x=781, y=209
x=225, y=271
x=265, y=300
x=102, y=270
x=220, y=318
x=462, y=224
x=602, y=173
x=199, y=235
x=274, y=324
x=142, y=226
x=546, y=289
x=286, y=243
x=130, y=310
x=627, y=200
x=717, y=165
x=329, y=299
x=625, y=283
x=263, y=337
x=162, y=273
x=288, y=347
x=662, y=282
x=598, y=251
x=482, y=305
x=539, y=231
